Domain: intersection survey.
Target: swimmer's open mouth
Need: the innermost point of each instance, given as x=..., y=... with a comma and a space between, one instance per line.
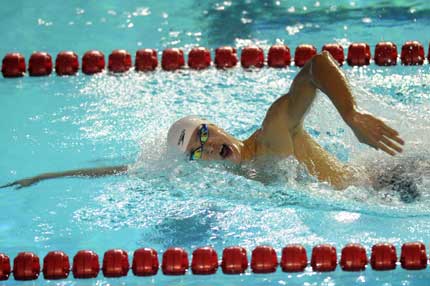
x=225, y=151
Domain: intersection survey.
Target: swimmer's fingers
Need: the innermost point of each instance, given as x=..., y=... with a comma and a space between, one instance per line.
x=22, y=183
x=390, y=146
x=9, y=185
x=390, y=130
x=384, y=148
x=392, y=134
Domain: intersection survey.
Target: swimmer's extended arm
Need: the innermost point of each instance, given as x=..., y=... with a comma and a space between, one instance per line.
x=90, y=172
x=323, y=73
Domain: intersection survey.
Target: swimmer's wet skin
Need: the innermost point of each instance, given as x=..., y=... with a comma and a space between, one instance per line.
x=282, y=133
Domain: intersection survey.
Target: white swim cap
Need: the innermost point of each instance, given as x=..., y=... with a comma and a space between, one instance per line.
x=180, y=132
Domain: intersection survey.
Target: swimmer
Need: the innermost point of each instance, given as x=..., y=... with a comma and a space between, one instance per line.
x=282, y=133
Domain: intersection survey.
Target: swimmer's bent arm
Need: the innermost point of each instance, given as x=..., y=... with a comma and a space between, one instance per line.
x=322, y=72
x=89, y=172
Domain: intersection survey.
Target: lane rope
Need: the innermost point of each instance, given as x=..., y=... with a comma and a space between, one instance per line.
x=204, y=261
x=278, y=56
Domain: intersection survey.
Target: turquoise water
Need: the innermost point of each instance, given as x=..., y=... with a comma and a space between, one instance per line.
x=53, y=124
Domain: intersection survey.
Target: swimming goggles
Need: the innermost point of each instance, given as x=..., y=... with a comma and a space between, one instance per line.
x=203, y=134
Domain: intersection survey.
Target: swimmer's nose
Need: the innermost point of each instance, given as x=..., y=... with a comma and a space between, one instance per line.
x=209, y=149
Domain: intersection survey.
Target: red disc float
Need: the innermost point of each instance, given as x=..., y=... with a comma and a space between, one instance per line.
x=252, y=56
x=336, y=51
x=204, y=261
x=13, y=65
x=175, y=261
x=119, y=61
x=93, y=62
x=353, y=258
x=264, y=260
x=279, y=56
x=225, y=57
x=86, y=264
x=146, y=60
x=115, y=263
x=383, y=256
x=4, y=267
x=172, y=59
x=234, y=260
x=40, y=64
x=324, y=258
x=385, y=54
x=145, y=262
x=303, y=54
x=26, y=266
x=413, y=256
x=199, y=58
x=412, y=53
x=56, y=265
x=294, y=258
x=67, y=63
x=358, y=54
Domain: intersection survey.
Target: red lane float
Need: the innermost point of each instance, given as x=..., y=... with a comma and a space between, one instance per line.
x=358, y=54
x=324, y=258
x=413, y=256
x=252, y=56
x=66, y=63
x=13, y=65
x=56, y=265
x=279, y=56
x=199, y=58
x=225, y=57
x=86, y=264
x=385, y=54
x=303, y=54
x=119, y=61
x=383, y=256
x=93, y=62
x=146, y=60
x=175, y=261
x=4, y=267
x=264, y=260
x=204, y=261
x=145, y=262
x=428, y=54
x=115, y=263
x=353, y=258
x=336, y=51
x=26, y=266
x=234, y=260
x=172, y=59
x=412, y=53
x=294, y=258
x=40, y=64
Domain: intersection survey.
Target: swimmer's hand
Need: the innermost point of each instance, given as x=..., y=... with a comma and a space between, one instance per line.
x=88, y=172
x=374, y=132
x=22, y=183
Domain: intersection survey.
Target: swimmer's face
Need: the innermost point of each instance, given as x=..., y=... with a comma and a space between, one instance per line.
x=219, y=145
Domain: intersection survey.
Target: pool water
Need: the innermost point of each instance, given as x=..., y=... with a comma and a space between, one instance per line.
x=61, y=123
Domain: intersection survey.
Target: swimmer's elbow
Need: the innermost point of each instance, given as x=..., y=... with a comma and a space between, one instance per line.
x=318, y=64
